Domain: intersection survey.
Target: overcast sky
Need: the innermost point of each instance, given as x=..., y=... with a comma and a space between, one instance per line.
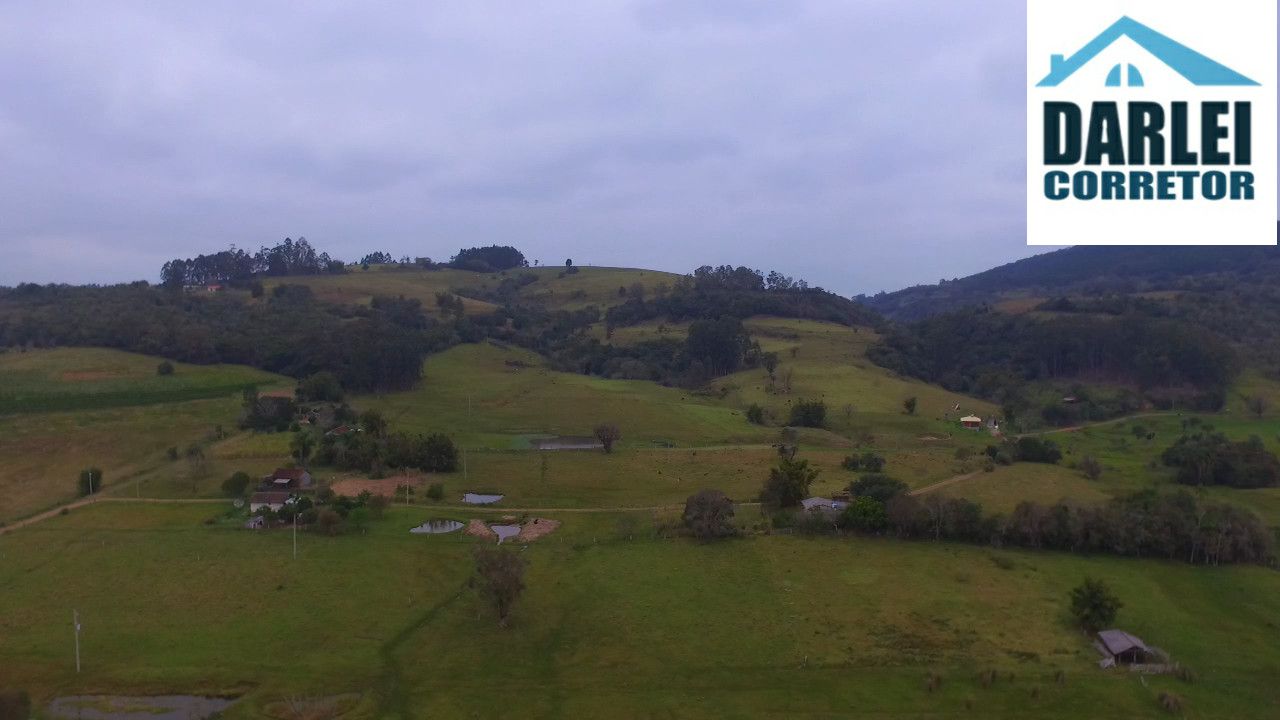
x=861, y=144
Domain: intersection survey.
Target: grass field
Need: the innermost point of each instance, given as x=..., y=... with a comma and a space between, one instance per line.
x=95, y=378
x=616, y=621
x=758, y=627
x=490, y=396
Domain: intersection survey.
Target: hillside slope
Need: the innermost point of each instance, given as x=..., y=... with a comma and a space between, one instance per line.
x=1083, y=270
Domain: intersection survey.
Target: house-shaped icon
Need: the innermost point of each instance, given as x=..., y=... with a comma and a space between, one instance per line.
x=1188, y=63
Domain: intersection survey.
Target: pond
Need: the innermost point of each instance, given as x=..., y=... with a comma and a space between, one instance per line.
x=505, y=531
x=123, y=707
x=437, y=527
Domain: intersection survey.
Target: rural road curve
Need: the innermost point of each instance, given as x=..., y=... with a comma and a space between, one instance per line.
x=943, y=483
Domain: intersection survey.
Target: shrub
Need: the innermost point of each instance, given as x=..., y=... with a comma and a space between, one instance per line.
x=755, y=414
x=909, y=405
x=1037, y=450
x=809, y=413
x=328, y=521
x=1171, y=703
x=236, y=485
x=164, y=368
x=15, y=705
x=435, y=491
x=709, y=515
x=877, y=486
x=1091, y=468
x=865, y=514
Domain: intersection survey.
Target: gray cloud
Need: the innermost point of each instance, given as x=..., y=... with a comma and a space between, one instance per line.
x=862, y=145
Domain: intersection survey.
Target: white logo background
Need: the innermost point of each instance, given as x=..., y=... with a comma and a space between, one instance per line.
x=1240, y=34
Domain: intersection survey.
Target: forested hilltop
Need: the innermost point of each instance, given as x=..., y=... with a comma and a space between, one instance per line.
x=258, y=309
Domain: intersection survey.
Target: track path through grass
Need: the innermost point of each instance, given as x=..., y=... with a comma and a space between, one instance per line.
x=95, y=499
x=944, y=483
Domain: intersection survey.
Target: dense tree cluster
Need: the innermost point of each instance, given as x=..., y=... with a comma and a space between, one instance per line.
x=377, y=348
x=237, y=267
x=991, y=354
x=373, y=451
x=717, y=292
x=1209, y=458
x=488, y=259
x=1173, y=526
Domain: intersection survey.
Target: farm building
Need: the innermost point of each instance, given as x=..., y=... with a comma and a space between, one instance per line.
x=1124, y=649
x=287, y=479
x=971, y=422
x=273, y=500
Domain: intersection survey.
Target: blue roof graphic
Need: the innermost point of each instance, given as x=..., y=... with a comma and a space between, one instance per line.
x=1188, y=63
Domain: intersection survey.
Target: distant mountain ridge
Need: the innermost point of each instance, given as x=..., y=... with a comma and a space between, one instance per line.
x=1082, y=270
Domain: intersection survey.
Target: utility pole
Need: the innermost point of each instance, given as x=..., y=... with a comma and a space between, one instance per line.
x=465, y=479
x=295, y=533
x=75, y=620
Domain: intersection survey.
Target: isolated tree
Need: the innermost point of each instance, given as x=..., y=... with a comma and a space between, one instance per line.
x=236, y=485
x=195, y=459
x=359, y=518
x=1091, y=468
x=1094, y=605
x=788, y=483
x=770, y=362
x=568, y=262
x=164, y=368
x=909, y=405
x=301, y=445
x=499, y=579
x=328, y=521
x=608, y=434
x=709, y=515
x=90, y=481
x=755, y=414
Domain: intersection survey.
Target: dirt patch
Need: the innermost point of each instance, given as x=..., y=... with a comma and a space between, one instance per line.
x=352, y=487
x=477, y=528
x=536, y=528
x=90, y=375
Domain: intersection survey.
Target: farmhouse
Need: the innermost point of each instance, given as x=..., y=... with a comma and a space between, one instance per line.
x=273, y=500
x=971, y=422
x=287, y=479
x=1121, y=648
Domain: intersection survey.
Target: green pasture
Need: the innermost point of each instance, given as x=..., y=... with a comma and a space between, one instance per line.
x=96, y=378
x=615, y=622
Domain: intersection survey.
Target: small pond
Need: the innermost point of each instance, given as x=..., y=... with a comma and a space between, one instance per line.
x=437, y=527
x=123, y=707
x=505, y=531
x=478, y=499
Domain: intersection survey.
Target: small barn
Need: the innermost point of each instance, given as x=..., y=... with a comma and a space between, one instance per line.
x=971, y=422
x=274, y=501
x=287, y=479
x=1124, y=649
